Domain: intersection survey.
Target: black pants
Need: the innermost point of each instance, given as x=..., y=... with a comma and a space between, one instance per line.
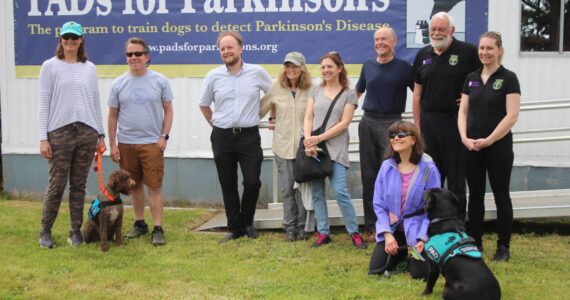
x=443, y=144
x=230, y=148
x=418, y=269
x=373, y=142
x=497, y=162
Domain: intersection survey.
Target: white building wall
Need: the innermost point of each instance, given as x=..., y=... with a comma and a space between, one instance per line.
x=542, y=77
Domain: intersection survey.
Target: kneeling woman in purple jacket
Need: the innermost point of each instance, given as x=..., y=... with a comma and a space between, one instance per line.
x=398, y=203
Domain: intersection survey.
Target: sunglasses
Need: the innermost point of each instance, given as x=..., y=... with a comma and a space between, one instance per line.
x=399, y=134
x=70, y=36
x=137, y=54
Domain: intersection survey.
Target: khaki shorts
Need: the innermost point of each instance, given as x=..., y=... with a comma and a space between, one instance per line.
x=145, y=163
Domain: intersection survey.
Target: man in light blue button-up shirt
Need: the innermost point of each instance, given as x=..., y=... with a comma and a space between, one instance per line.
x=234, y=89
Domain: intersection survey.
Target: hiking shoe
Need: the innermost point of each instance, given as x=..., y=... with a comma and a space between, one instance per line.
x=46, y=240
x=358, y=241
x=302, y=235
x=136, y=232
x=322, y=239
x=75, y=239
x=502, y=254
x=158, y=237
x=290, y=234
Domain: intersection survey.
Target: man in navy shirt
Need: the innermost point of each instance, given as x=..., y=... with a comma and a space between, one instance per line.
x=439, y=71
x=385, y=80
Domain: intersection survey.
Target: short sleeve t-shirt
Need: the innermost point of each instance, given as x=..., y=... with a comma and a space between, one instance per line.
x=488, y=102
x=139, y=100
x=338, y=145
x=442, y=76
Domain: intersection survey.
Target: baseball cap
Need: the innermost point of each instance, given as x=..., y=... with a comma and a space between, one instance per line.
x=295, y=58
x=71, y=27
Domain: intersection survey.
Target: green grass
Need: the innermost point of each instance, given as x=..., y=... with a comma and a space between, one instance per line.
x=193, y=266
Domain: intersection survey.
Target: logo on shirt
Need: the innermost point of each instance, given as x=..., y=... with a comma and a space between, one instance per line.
x=497, y=84
x=426, y=61
x=474, y=84
x=453, y=59
x=139, y=96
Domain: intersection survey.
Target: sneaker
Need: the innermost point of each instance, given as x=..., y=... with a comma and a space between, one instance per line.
x=158, y=237
x=75, y=239
x=136, y=232
x=46, y=240
x=502, y=254
x=358, y=241
x=322, y=239
x=302, y=235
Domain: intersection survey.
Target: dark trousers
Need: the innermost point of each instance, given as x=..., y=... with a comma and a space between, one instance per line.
x=497, y=162
x=443, y=144
x=379, y=259
x=231, y=148
x=373, y=141
x=73, y=147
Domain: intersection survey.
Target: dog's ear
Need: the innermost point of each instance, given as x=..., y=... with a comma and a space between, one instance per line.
x=428, y=199
x=114, y=181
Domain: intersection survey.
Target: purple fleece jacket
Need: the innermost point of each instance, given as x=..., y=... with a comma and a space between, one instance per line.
x=388, y=195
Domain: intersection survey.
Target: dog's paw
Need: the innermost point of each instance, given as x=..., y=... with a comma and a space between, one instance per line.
x=426, y=292
x=104, y=248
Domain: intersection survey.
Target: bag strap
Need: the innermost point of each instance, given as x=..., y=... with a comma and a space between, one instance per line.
x=323, y=126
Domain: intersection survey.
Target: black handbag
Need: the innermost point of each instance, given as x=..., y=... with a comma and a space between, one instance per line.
x=307, y=168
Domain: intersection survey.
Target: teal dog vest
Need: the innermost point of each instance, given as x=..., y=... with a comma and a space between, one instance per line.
x=444, y=246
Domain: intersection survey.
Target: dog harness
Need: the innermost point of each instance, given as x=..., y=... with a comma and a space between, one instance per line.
x=97, y=205
x=444, y=246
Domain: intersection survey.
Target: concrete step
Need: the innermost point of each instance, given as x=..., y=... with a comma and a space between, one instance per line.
x=526, y=204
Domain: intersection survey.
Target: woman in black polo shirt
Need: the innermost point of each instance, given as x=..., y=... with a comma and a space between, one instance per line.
x=490, y=106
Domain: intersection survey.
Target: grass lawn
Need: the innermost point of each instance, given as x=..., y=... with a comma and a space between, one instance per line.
x=193, y=265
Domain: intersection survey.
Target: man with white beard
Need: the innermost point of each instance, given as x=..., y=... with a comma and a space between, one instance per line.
x=439, y=71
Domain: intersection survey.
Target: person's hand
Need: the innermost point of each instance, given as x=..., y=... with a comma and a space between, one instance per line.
x=45, y=149
x=420, y=246
x=458, y=101
x=311, y=141
x=311, y=151
x=391, y=245
x=162, y=143
x=271, y=124
x=115, y=154
x=481, y=144
x=101, y=144
x=469, y=144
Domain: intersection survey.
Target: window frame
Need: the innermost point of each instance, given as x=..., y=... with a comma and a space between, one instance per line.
x=556, y=53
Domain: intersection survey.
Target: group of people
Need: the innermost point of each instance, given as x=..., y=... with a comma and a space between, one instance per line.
x=464, y=105
x=71, y=129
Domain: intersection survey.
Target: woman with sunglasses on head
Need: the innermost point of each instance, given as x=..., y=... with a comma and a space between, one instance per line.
x=286, y=101
x=490, y=105
x=398, y=201
x=334, y=84
x=70, y=127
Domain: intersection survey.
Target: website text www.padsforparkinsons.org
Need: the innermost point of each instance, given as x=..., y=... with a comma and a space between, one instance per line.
x=201, y=48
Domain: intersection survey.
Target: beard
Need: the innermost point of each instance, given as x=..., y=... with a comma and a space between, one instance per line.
x=440, y=44
x=231, y=61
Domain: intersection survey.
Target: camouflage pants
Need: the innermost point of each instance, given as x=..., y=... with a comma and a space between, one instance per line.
x=73, y=147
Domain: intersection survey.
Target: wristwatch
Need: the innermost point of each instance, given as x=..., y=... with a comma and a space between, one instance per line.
x=165, y=136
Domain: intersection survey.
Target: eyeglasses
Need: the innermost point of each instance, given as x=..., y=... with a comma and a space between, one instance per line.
x=137, y=54
x=399, y=134
x=70, y=36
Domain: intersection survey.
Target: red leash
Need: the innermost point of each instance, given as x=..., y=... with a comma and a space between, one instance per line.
x=99, y=169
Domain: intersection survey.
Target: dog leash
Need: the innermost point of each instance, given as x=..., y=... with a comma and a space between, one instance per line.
x=99, y=169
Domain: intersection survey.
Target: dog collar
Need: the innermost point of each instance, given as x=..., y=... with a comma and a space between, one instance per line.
x=442, y=247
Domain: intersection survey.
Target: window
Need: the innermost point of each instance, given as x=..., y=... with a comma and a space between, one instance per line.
x=545, y=26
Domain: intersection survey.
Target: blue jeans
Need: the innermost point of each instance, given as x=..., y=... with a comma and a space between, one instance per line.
x=340, y=191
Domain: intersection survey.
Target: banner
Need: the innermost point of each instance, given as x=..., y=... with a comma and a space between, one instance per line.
x=184, y=32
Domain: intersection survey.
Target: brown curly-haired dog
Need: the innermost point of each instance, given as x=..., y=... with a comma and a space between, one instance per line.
x=106, y=217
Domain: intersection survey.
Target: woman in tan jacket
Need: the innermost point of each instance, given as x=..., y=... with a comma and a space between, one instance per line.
x=286, y=101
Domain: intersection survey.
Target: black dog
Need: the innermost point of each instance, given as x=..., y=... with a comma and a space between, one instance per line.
x=105, y=216
x=453, y=253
